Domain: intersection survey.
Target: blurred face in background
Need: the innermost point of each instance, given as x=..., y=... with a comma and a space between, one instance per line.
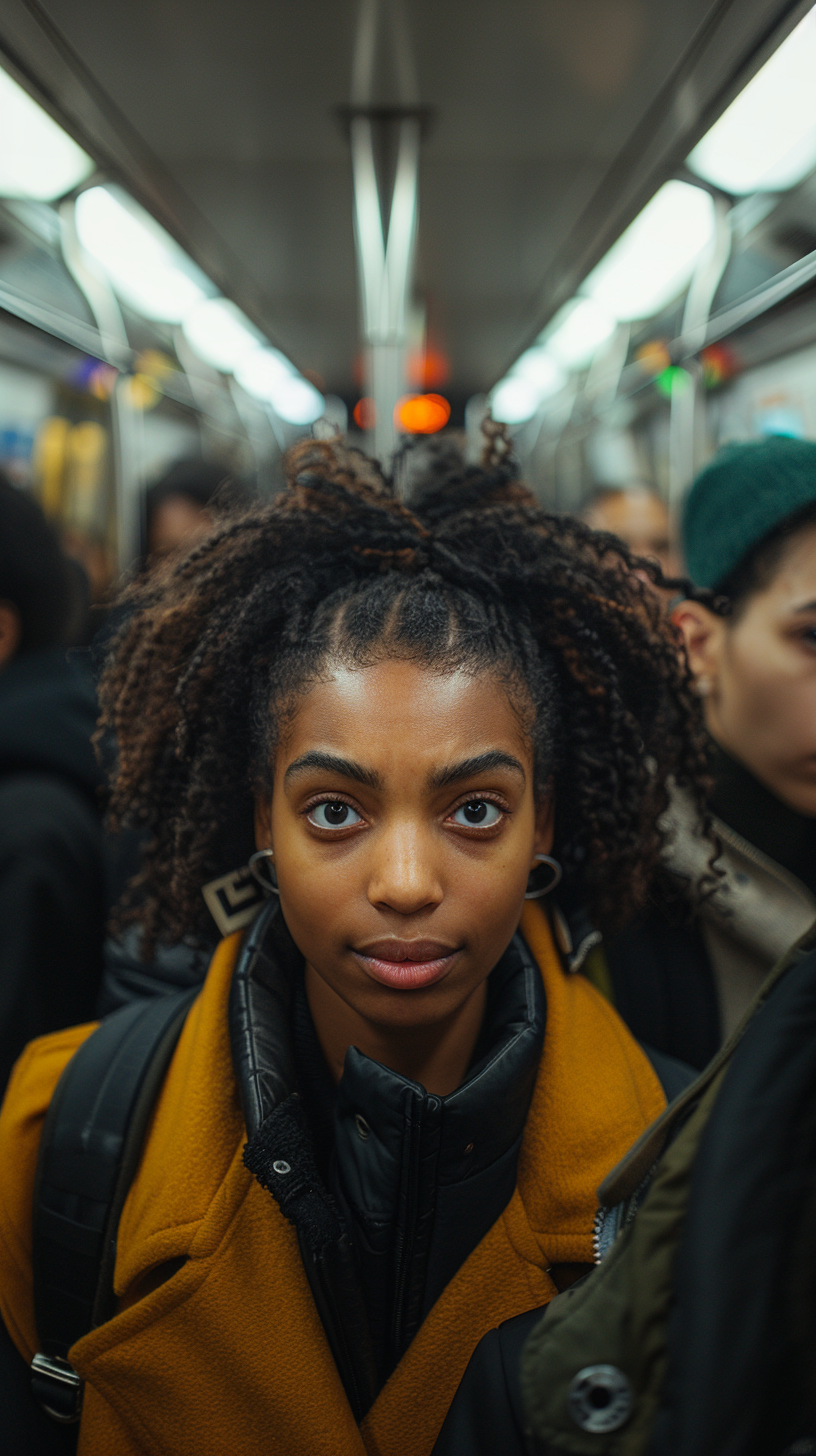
x=756, y=672
x=639, y=518
x=176, y=523
x=10, y=631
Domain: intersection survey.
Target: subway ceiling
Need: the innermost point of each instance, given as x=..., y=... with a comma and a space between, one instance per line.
x=547, y=125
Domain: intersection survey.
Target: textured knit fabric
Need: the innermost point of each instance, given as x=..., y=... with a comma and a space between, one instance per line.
x=745, y=492
x=217, y=1345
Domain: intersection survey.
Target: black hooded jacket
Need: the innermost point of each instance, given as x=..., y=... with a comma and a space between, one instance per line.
x=52, y=865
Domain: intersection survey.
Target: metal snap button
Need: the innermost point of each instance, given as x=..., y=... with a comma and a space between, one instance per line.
x=363, y=1129
x=468, y=1149
x=600, y=1398
x=282, y=1168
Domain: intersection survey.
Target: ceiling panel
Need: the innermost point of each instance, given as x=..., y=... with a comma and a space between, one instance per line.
x=549, y=121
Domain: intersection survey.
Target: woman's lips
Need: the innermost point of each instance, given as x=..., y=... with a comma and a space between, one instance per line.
x=406, y=965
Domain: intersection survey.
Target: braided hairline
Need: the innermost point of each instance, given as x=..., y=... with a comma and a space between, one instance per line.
x=214, y=648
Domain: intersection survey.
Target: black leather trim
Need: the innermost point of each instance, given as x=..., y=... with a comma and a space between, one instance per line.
x=259, y=1003
x=279, y=1148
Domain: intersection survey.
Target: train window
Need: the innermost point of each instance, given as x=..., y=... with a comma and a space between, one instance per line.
x=699, y=325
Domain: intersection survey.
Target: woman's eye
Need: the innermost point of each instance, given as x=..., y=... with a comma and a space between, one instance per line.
x=334, y=814
x=477, y=814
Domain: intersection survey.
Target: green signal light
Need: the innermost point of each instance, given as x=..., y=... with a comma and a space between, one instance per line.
x=673, y=380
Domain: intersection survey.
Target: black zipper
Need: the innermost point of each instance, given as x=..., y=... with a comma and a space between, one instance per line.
x=339, y=1303
x=406, y=1227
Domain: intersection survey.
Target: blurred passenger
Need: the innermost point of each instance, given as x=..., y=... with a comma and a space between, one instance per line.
x=749, y=533
x=695, y=1336
x=52, y=882
x=389, y=1109
x=637, y=515
x=179, y=507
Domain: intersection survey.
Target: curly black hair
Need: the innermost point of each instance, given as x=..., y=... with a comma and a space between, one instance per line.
x=474, y=575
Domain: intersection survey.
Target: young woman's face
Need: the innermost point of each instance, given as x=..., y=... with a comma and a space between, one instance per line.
x=758, y=676
x=404, y=828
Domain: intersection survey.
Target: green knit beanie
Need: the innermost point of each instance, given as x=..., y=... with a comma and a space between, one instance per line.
x=739, y=498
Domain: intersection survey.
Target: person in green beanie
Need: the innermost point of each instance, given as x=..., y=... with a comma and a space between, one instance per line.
x=749, y=627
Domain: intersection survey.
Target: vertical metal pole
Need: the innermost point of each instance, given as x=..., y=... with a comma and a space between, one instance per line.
x=385, y=269
x=384, y=228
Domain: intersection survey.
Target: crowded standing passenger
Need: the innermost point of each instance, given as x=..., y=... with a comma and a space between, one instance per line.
x=637, y=515
x=384, y=1123
x=52, y=877
x=749, y=535
x=180, y=507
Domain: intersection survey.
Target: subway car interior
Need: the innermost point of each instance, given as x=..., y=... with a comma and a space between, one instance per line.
x=561, y=256
x=551, y=212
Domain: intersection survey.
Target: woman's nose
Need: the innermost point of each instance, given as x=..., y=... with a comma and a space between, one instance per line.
x=404, y=877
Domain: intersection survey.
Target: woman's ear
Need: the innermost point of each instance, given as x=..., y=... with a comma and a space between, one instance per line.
x=545, y=826
x=263, y=822
x=704, y=635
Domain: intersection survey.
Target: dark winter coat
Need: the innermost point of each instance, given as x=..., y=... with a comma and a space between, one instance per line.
x=52, y=876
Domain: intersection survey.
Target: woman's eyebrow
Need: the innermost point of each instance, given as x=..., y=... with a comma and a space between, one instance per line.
x=333, y=763
x=481, y=763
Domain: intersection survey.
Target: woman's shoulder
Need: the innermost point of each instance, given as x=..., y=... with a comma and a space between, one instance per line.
x=28, y=1097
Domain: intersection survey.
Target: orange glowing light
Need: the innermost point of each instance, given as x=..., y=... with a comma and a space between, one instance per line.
x=654, y=357
x=427, y=367
x=422, y=414
x=364, y=413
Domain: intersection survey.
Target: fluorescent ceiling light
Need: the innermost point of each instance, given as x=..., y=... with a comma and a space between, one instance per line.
x=261, y=370
x=766, y=140
x=537, y=368
x=297, y=401
x=577, y=332
x=514, y=399
x=268, y=375
x=220, y=333
x=38, y=159
x=654, y=259
x=145, y=265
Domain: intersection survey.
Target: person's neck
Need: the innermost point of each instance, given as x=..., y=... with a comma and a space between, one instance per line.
x=436, y=1056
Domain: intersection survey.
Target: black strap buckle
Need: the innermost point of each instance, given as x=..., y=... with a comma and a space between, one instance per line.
x=57, y=1387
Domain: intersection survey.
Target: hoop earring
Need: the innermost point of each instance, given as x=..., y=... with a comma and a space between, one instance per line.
x=556, y=876
x=263, y=871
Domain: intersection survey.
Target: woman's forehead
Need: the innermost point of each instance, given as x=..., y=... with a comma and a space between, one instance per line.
x=393, y=711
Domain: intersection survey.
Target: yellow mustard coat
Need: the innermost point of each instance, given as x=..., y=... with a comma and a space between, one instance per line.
x=222, y=1351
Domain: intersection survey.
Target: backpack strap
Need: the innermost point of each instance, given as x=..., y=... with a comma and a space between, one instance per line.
x=89, y=1152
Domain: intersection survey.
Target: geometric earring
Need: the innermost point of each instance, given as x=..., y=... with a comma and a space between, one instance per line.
x=261, y=868
x=535, y=889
